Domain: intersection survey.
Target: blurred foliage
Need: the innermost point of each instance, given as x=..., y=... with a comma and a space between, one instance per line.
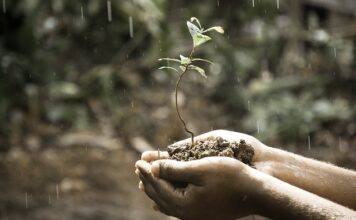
x=64, y=63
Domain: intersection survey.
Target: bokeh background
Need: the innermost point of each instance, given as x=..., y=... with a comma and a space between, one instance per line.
x=81, y=94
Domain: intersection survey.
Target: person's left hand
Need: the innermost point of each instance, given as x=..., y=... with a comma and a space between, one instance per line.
x=215, y=187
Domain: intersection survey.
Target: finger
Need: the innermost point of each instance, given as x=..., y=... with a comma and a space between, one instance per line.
x=141, y=186
x=163, y=210
x=154, y=155
x=171, y=170
x=144, y=168
x=158, y=196
x=165, y=189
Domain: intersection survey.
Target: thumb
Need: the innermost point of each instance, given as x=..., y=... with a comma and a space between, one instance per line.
x=180, y=171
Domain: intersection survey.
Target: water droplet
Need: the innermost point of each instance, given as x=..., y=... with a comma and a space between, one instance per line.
x=26, y=200
x=131, y=27
x=4, y=6
x=308, y=142
x=109, y=11
x=218, y=3
x=57, y=191
x=248, y=105
x=82, y=12
x=334, y=52
x=277, y=1
x=258, y=126
x=253, y=3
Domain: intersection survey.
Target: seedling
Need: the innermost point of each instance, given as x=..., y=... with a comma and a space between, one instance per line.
x=188, y=63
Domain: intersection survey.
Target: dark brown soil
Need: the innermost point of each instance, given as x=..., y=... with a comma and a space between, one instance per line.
x=214, y=146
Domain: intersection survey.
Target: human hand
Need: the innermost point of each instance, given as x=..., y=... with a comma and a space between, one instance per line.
x=259, y=147
x=217, y=187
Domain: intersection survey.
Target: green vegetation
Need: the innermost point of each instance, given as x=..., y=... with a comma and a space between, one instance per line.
x=186, y=63
x=63, y=70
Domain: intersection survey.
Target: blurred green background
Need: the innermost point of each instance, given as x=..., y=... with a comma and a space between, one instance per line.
x=81, y=94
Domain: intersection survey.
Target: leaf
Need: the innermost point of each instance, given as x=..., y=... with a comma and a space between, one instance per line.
x=183, y=68
x=168, y=67
x=169, y=59
x=200, y=39
x=217, y=29
x=203, y=60
x=185, y=60
x=196, y=20
x=199, y=70
x=193, y=29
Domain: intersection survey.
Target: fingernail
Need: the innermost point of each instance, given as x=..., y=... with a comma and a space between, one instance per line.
x=140, y=185
x=137, y=172
x=155, y=169
x=136, y=164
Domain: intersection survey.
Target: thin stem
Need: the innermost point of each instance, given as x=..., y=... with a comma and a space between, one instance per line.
x=176, y=99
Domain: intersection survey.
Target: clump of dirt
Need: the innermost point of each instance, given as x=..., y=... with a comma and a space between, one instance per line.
x=213, y=146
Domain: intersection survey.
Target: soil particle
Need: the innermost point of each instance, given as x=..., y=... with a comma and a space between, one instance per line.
x=213, y=146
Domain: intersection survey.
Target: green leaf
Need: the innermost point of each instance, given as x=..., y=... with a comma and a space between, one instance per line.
x=169, y=59
x=217, y=29
x=198, y=69
x=203, y=60
x=183, y=68
x=200, y=39
x=168, y=67
x=193, y=29
x=192, y=19
x=196, y=33
x=185, y=60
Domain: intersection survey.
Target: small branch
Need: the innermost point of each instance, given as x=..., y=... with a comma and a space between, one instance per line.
x=177, y=108
x=176, y=99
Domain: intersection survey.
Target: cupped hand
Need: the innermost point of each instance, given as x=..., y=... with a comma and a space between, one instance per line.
x=230, y=136
x=217, y=187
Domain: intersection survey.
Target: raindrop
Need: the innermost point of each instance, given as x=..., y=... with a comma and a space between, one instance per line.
x=26, y=200
x=258, y=126
x=253, y=3
x=309, y=142
x=218, y=3
x=131, y=27
x=4, y=6
x=248, y=105
x=57, y=191
x=49, y=199
x=277, y=1
x=334, y=52
x=82, y=12
x=109, y=11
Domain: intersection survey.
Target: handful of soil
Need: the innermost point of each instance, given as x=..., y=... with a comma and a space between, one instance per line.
x=213, y=146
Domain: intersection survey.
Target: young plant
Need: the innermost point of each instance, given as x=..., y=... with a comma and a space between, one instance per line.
x=188, y=63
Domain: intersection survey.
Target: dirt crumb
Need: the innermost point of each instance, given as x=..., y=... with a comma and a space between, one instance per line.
x=213, y=146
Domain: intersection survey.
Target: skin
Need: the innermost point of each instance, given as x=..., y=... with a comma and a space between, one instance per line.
x=283, y=185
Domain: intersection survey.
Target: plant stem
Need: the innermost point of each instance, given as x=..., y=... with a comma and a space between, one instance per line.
x=176, y=99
